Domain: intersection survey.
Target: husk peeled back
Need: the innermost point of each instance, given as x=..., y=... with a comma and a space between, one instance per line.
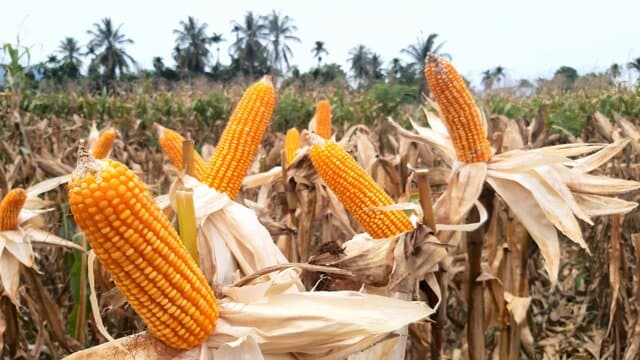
x=273, y=317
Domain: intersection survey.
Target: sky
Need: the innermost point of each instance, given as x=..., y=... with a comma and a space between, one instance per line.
x=530, y=39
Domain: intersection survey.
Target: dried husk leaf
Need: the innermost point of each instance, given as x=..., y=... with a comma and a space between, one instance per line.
x=310, y=324
x=10, y=275
x=598, y=205
x=597, y=159
x=465, y=186
x=524, y=160
x=230, y=236
x=444, y=147
x=529, y=213
x=263, y=178
x=371, y=261
x=549, y=201
x=599, y=185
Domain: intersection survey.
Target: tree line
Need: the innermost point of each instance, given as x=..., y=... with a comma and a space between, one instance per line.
x=260, y=44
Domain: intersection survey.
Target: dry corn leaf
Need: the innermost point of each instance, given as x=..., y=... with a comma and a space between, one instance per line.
x=518, y=306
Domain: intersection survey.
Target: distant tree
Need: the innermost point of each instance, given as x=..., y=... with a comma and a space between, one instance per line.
x=634, y=65
x=525, y=84
x=360, y=60
x=487, y=80
x=280, y=31
x=498, y=74
x=566, y=76
x=376, y=67
x=248, y=47
x=192, y=46
x=318, y=50
x=107, y=46
x=615, y=71
x=217, y=38
x=70, y=62
x=418, y=53
x=158, y=64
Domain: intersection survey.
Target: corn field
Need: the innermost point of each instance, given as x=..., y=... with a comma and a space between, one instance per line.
x=269, y=223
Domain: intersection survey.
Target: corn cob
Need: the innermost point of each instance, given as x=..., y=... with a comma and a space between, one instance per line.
x=171, y=144
x=241, y=138
x=10, y=208
x=137, y=244
x=461, y=116
x=323, y=119
x=358, y=191
x=103, y=145
x=291, y=144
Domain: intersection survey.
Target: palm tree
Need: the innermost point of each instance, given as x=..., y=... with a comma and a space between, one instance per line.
x=376, y=67
x=498, y=74
x=615, y=71
x=192, y=42
x=487, y=80
x=395, y=69
x=360, y=59
x=70, y=63
x=281, y=30
x=107, y=46
x=217, y=38
x=318, y=50
x=249, y=36
x=418, y=53
x=158, y=64
x=634, y=65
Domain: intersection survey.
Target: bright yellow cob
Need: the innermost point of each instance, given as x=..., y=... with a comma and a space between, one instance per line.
x=461, y=116
x=291, y=144
x=103, y=145
x=241, y=138
x=10, y=208
x=171, y=144
x=137, y=244
x=358, y=191
x=323, y=119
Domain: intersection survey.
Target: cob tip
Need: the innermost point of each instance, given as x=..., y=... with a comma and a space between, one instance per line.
x=436, y=62
x=87, y=164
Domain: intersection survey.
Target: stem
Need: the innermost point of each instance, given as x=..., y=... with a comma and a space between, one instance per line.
x=188, y=163
x=187, y=222
x=291, y=205
x=475, y=303
x=426, y=202
x=440, y=316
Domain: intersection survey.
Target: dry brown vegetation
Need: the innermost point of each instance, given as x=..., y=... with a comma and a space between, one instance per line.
x=593, y=311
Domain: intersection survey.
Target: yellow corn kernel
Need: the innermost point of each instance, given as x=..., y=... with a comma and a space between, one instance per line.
x=171, y=144
x=241, y=139
x=323, y=119
x=165, y=286
x=459, y=111
x=358, y=191
x=291, y=144
x=103, y=145
x=10, y=208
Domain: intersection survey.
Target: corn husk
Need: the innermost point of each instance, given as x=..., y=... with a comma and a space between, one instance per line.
x=546, y=189
x=16, y=246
